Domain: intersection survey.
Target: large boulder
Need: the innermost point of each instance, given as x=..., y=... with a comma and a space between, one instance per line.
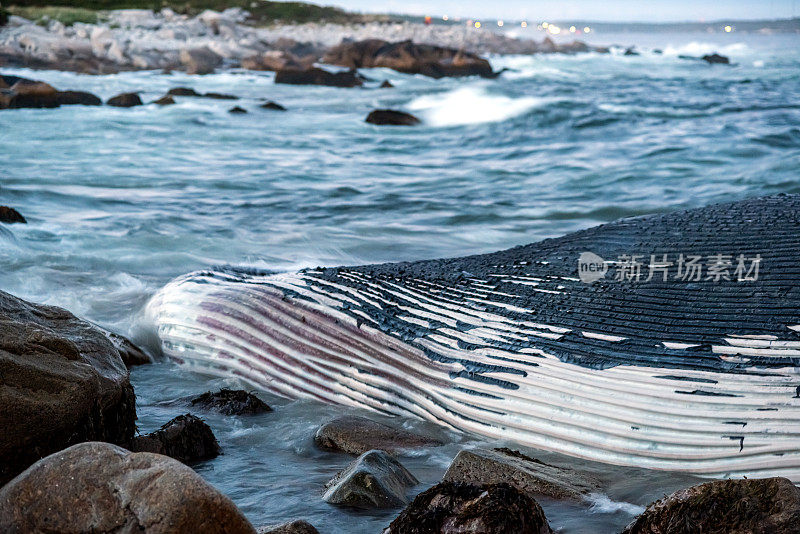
x=101, y=488
x=454, y=508
x=200, y=60
x=373, y=480
x=317, y=76
x=529, y=475
x=11, y=216
x=62, y=381
x=409, y=57
x=356, y=435
x=391, y=117
x=231, y=402
x=17, y=92
x=749, y=506
x=186, y=438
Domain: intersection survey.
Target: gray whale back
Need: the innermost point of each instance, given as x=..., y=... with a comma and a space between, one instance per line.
x=695, y=372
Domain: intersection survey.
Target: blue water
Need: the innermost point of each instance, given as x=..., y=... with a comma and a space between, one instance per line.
x=119, y=201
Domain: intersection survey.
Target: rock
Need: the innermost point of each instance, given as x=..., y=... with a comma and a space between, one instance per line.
x=231, y=402
x=237, y=109
x=27, y=87
x=186, y=438
x=317, y=76
x=631, y=52
x=454, y=508
x=275, y=60
x=130, y=353
x=532, y=477
x=165, y=100
x=182, y=91
x=11, y=216
x=373, y=480
x=125, y=100
x=716, y=59
x=70, y=98
x=63, y=382
x=356, y=435
x=393, y=117
x=220, y=96
x=574, y=47
x=101, y=488
x=292, y=527
x=386, y=85
x=737, y=506
x=273, y=105
x=200, y=60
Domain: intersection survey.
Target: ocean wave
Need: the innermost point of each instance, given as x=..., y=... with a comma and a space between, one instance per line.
x=696, y=48
x=602, y=504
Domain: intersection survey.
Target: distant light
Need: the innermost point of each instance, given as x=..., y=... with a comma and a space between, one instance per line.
x=445, y=17
x=587, y=29
x=545, y=25
x=553, y=29
x=728, y=29
x=572, y=29
x=500, y=23
x=477, y=24
x=524, y=24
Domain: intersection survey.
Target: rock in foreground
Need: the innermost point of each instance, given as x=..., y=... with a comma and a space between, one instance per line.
x=292, y=527
x=11, y=216
x=101, y=488
x=452, y=508
x=62, y=381
x=231, y=402
x=186, y=438
x=732, y=506
x=356, y=435
x=317, y=76
x=392, y=117
x=373, y=480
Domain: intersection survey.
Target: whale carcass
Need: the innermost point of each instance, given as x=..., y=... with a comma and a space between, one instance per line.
x=669, y=341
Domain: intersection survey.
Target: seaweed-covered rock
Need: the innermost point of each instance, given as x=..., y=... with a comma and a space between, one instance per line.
x=231, y=402
x=392, y=117
x=292, y=527
x=11, y=216
x=455, y=508
x=125, y=100
x=62, y=382
x=749, y=506
x=101, y=488
x=373, y=480
x=186, y=438
x=317, y=76
x=356, y=435
x=529, y=475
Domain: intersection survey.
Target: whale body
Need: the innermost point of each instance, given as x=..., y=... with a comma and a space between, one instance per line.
x=556, y=345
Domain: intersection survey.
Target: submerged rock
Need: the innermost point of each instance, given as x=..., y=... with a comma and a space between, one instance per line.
x=716, y=59
x=62, y=382
x=386, y=85
x=200, y=60
x=526, y=474
x=237, y=109
x=391, y=117
x=11, y=216
x=356, y=435
x=273, y=105
x=186, y=438
x=231, y=402
x=187, y=91
x=165, y=100
x=455, y=508
x=737, y=506
x=101, y=488
x=292, y=527
x=317, y=76
x=125, y=100
x=373, y=480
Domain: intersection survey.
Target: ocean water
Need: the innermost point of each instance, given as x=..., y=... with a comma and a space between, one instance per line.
x=119, y=201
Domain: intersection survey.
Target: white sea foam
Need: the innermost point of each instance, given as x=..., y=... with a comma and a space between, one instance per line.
x=695, y=48
x=602, y=504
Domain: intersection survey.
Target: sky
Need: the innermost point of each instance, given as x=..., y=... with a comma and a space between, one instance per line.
x=595, y=10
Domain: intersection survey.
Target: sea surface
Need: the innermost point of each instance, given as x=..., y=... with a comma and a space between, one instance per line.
x=119, y=201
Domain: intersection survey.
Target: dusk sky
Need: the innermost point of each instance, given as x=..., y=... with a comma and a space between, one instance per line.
x=606, y=10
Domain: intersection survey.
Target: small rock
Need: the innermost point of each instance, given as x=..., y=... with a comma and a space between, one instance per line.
x=165, y=100
x=716, y=59
x=186, y=438
x=386, y=84
x=357, y=435
x=130, y=353
x=220, y=96
x=391, y=117
x=231, y=402
x=237, y=109
x=11, y=216
x=742, y=506
x=317, y=76
x=102, y=488
x=373, y=480
x=631, y=52
x=80, y=98
x=529, y=475
x=273, y=105
x=292, y=527
x=183, y=91
x=455, y=508
x=125, y=100
x=200, y=60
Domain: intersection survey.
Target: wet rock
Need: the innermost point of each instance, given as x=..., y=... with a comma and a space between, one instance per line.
x=165, y=100
x=356, y=435
x=101, y=488
x=186, y=438
x=386, y=85
x=79, y=98
x=273, y=105
x=231, y=402
x=183, y=91
x=455, y=508
x=317, y=76
x=11, y=216
x=742, y=506
x=292, y=527
x=392, y=117
x=716, y=59
x=130, y=353
x=220, y=96
x=27, y=87
x=125, y=100
x=527, y=474
x=200, y=60
x=237, y=109
x=373, y=480
x=63, y=382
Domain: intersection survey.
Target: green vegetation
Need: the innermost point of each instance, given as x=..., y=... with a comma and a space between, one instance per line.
x=262, y=12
